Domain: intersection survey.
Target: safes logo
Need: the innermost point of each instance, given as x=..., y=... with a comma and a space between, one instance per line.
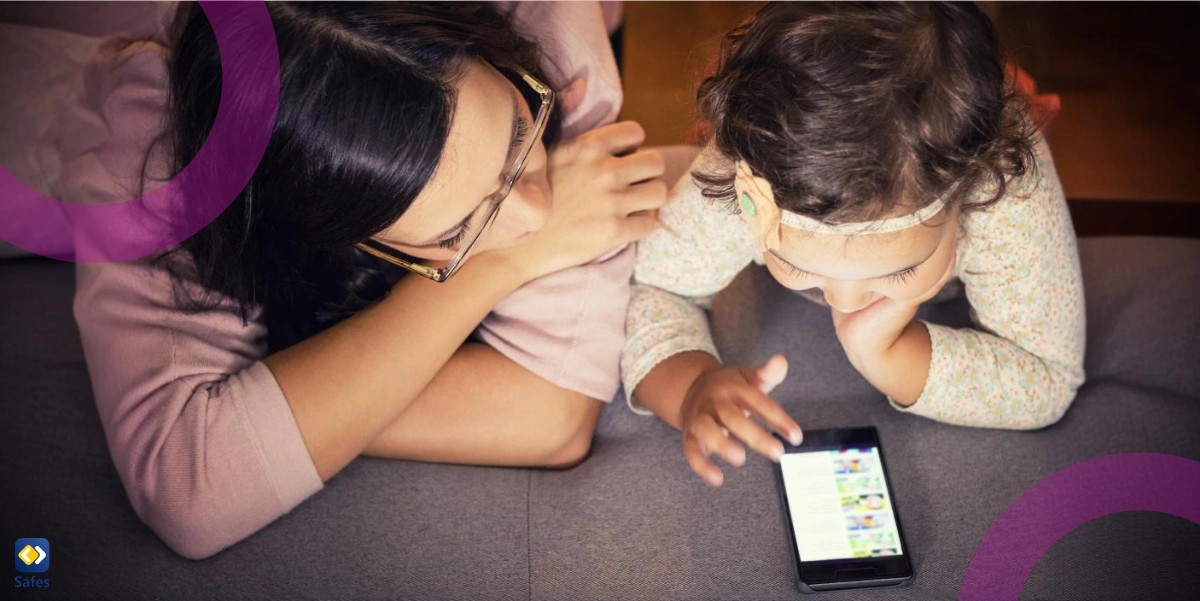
x=32, y=555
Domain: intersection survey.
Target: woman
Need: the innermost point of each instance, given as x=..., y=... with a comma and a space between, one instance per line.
x=238, y=372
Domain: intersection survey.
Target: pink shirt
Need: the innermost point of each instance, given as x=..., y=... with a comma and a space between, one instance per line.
x=198, y=428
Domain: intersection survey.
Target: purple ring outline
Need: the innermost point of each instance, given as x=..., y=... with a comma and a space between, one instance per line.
x=127, y=230
x=1067, y=499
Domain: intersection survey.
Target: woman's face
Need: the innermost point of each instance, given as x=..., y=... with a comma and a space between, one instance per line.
x=490, y=122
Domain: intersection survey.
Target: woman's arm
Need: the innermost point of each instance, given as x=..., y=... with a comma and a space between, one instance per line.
x=341, y=384
x=207, y=445
x=532, y=395
x=481, y=408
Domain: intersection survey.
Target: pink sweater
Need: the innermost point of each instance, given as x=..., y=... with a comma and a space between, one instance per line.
x=198, y=428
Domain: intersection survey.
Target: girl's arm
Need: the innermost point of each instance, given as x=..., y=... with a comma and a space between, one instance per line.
x=1021, y=368
x=697, y=253
x=670, y=364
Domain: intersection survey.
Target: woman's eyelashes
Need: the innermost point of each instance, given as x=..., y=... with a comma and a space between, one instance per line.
x=458, y=236
x=522, y=132
x=517, y=141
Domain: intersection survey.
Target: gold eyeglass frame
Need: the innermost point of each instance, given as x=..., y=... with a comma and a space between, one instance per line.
x=384, y=252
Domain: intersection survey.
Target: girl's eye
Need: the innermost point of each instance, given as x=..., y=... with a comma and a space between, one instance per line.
x=453, y=241
x=522, y=132
x=903, y=276
x=794, y=271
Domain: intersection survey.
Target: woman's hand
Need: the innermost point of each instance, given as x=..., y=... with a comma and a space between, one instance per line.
x=718, y=408
x=605, y=194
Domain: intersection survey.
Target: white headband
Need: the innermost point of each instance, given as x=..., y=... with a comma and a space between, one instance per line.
x=882, y=226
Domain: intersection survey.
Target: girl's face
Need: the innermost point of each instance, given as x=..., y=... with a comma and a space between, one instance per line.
x=855, y=271
x=490, y=123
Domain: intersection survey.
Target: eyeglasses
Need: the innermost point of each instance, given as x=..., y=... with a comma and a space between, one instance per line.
x=482, y=219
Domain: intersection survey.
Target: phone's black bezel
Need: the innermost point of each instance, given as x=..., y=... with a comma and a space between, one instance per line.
x=871, y=571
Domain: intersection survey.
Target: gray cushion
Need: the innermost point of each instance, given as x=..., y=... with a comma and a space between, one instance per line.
x=632, y=522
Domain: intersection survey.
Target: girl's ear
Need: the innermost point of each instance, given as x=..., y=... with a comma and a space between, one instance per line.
x=756, y=203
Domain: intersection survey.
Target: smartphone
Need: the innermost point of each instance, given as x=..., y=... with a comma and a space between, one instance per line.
x=840, y=512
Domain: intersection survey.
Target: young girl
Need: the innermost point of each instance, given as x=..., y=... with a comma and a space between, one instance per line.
x=867, y=154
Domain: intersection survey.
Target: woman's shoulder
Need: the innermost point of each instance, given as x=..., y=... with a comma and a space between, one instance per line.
x=155, y=294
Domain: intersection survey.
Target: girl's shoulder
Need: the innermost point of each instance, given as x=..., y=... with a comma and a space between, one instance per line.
x=691, y=214
x=1032, y=209
x=701, y=244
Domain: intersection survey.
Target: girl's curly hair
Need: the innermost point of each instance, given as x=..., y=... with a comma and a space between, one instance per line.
x=855, y=111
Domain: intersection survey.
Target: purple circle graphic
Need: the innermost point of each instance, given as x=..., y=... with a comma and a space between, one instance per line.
x=161, y=219
x=1068, y=499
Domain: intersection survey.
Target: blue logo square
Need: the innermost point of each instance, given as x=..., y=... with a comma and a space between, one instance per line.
x=32, y=555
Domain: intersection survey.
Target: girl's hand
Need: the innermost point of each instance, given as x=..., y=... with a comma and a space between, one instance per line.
x=719, y=406
x=605, y=193
x=868, y=334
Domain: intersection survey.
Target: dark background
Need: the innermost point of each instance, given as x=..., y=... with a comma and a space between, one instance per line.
x=1123, y=143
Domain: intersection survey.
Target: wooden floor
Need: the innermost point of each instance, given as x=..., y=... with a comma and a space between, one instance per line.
x=1127, y=73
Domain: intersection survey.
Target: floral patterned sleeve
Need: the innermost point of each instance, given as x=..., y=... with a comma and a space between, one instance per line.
x=679, y=268
x=1020, y=265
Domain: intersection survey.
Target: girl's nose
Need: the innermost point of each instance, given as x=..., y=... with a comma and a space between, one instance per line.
x=847, y=297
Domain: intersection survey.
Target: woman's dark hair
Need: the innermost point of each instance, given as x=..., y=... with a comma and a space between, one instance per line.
x=853, y=111
x=367, y=96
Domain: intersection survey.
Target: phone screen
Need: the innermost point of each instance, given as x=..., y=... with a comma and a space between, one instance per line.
x=839, y=504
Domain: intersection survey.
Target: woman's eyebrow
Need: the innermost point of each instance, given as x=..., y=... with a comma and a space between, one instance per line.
x=512, y=136
x=898, y=271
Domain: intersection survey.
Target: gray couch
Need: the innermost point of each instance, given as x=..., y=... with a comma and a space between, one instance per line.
x=632, y=522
